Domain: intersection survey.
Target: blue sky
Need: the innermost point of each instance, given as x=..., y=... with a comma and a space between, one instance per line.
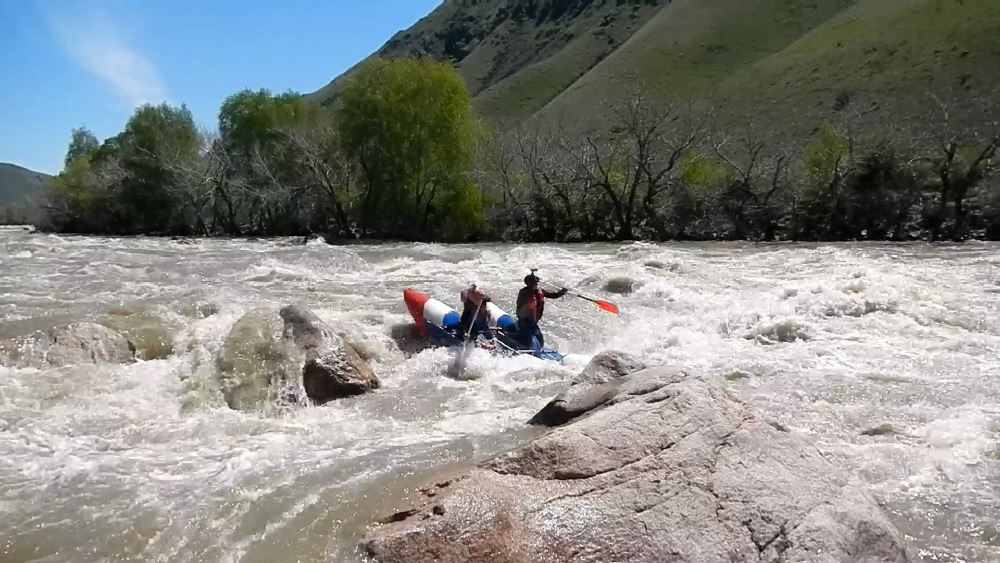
x=87, y=63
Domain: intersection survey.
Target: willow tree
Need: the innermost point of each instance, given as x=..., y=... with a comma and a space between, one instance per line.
x=251, y=118
x=269, y=189
x=409, y=125
x=149, y=194
x=82, y=144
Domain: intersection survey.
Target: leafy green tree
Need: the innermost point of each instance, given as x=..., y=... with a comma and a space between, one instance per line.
x=409, y=125
x=149, y=193
x=82, y=143
x=826, y=161
x=278, y=146
x=76, y=201
x=256, y=118
x=73, y=199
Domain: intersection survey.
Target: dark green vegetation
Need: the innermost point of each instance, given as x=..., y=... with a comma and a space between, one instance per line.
x=395, y=161
x=410, y=129
x=19, y=187
x=597, y=119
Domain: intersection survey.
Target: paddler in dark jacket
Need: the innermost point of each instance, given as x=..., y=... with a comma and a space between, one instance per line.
x=531, y=307
x=473, y=311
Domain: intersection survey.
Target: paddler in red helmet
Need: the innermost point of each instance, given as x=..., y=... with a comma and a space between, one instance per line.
x=531, y=307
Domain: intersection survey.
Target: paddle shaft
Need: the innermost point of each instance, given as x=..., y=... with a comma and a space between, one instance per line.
x=606, y=305
x=475, y=318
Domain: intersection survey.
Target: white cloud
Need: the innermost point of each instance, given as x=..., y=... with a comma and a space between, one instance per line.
x=95, y=42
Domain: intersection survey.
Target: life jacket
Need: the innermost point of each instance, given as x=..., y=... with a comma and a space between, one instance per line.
x=471, y=301
x=472, y=296
x=530, y=303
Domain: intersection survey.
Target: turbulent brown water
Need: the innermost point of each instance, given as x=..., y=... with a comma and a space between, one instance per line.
x=145, y=462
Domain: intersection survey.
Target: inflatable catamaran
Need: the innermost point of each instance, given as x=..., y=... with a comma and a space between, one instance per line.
x=439, y=323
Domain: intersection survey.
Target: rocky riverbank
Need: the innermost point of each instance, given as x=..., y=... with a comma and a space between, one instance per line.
x=659, y=465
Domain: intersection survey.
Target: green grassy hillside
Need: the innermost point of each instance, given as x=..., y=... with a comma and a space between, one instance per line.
x=789, y=62
x=893, y=54
x=691, y=46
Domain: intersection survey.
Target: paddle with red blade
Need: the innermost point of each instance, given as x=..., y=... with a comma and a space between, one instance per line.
x=605, y=305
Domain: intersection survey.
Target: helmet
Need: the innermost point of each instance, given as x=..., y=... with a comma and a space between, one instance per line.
x=531, y=279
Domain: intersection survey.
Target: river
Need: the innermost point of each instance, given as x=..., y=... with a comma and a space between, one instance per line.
x=144, y=462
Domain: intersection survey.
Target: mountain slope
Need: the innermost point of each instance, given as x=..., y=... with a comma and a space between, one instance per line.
x=893, y=54
x=789, y=62
x=690, y=46
x=545, y=45
x=18, y=184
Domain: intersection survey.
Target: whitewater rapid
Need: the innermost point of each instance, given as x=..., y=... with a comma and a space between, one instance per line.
x=145, y=462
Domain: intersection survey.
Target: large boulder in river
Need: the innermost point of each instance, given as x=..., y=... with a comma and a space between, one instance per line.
x=333, y=368
x=87, y=343
x=597, y=384
x=672, y=468
x=258, y=367
x=272, y=357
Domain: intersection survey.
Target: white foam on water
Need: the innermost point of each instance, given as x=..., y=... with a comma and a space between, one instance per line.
x=146, y=460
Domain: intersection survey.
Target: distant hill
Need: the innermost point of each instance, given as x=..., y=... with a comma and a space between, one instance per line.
x=18, y=184
x=797, y=62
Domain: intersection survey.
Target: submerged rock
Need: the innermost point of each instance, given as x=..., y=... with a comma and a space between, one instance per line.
x=779, y=331
x=28, y=343
x=661, y=265
x=87, y=343
x=150, y=335
x=880, y=430
x=408, y=338
x=623, y=285
x=199, y=311
x=597, y=384
x=671, y=469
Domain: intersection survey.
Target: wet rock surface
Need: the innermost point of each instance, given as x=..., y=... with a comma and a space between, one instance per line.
x=257, y=365
x=608, y=366
x=668, y=468
x=71, y=344
x=88, y=343
x=151, y=334
x=333, y=368
x=273, y=357
x=597, y=384
x=622, y=285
